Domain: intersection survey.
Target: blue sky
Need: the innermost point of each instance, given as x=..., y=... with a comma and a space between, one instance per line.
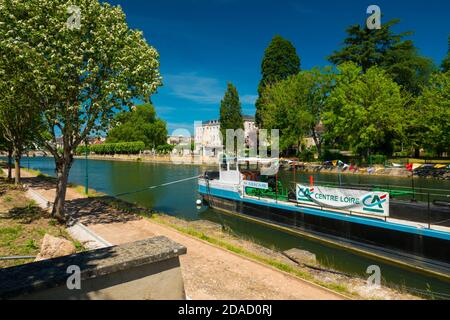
x=203, y=44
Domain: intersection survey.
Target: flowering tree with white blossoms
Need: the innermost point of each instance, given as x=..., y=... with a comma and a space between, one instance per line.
x=85, y=64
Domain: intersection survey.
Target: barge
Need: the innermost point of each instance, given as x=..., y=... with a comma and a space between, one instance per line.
x=359, y=220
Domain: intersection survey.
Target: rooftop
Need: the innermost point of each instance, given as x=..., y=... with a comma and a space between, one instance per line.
x=216, y=122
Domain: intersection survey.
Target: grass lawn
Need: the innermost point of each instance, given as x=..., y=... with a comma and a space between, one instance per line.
x=23, y=225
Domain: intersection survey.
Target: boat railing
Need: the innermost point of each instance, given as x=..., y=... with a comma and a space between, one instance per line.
x=424, y=209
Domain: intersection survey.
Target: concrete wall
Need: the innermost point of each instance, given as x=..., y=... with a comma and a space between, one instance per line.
x=142, y=270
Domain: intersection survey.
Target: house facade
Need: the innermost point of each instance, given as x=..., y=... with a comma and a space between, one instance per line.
x=208, y=139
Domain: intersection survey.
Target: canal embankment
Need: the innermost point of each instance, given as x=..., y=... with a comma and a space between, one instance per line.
x=210, y=267
x=179, y=200
x=376, y=170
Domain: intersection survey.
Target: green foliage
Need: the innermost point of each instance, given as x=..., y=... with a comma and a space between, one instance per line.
x=446, y=63
x=286, y=109
x=364, y=111
x=230, y=112
x=138, y=124
x=295, y=106
x=279, y=62
x=330, y=155
x=81, y=75
x=20, y=121
x=30, y=244
x=385, y=49
x=433, y=113
x=377, y=159
x=113, y=148
x=165, y=148
x=307, y=154
x=76, y=78
x=401, y=154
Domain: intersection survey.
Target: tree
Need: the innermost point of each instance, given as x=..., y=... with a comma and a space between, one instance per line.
x=5, y=145
x=139, y=124
x=365, y=111
x=279, y=62
x=433, y=106
x=230, y=112
x=19, y=118
x=81, y=72
x=446, y=63
x=322, y=84
x=295, y=106
x=383, y=48
x=286, y=109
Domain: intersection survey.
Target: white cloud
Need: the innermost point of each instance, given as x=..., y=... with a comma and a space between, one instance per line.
x=164, y=109
x=172, y=126
x=200, y=89
x=249, y=99
x=192, y=87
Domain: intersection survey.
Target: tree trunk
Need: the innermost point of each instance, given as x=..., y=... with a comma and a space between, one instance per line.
x=62, y=172
x=17, y=170
x=416, y=153
x=318, y=143
x=10, y=165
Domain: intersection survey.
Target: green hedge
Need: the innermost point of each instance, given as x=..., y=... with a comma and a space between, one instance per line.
x=377, y=159
x=113, y=148
x=165, y=148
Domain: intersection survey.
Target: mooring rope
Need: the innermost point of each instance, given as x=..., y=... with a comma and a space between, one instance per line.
x=157, y=186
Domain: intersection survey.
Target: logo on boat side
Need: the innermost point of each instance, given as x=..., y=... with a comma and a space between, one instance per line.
x=358, y=201
x=305, y=194
x=374, y=203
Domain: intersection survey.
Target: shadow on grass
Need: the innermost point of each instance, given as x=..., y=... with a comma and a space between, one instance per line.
x=91, y=210
x=26, y=214
x=103, y=210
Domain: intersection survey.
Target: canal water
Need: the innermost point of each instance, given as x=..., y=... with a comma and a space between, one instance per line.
x=117, y=177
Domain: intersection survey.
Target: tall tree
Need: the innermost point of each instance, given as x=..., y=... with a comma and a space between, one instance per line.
x=446, y=63
x=286, y=109
x=5, y=146
x=365, y=111
x=433, y=110
x=19, y=117
x=139, y=124
x=85, y=63
x=279, y=62
x=295, y=106
x=388, y=50
x=230, y=112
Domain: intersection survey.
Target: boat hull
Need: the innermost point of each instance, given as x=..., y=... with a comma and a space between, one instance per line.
x=427, y=247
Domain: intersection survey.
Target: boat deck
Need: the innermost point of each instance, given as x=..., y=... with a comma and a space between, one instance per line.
x=415, y=224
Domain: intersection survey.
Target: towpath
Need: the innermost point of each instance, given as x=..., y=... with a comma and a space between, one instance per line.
x=209, y=272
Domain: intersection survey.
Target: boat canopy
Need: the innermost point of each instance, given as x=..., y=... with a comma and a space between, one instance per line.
x=230, y=171
x=252, y=160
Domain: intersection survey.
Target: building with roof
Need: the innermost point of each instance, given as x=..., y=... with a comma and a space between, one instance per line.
x=208, y=138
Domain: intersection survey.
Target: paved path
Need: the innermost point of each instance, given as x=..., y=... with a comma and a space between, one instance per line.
x=210, y=272
x=213, y=273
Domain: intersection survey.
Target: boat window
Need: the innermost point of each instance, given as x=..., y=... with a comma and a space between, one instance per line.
x=223, y=165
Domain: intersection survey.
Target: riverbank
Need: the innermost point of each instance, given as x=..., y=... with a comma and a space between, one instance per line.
x=209, y=272
x=23, y=225
x=304, y=167
x=164, y=159
x=205, y=268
